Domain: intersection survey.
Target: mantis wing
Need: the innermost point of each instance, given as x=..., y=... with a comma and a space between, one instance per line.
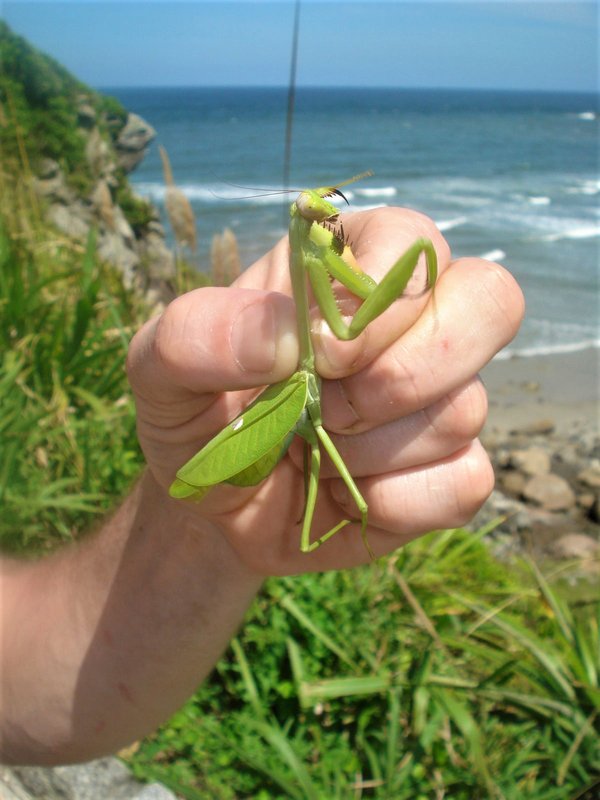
x=262, y=468
x=247, y=449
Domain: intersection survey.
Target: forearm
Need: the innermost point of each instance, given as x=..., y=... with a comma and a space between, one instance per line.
x=112, y=635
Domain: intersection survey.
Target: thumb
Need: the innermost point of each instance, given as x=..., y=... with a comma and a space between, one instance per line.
x=214, y=340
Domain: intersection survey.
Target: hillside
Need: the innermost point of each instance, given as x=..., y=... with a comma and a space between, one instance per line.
x=73, y=149
x=82, y=262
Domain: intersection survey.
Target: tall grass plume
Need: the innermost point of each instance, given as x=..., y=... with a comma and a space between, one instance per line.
x=224, y=258
x=179, y=210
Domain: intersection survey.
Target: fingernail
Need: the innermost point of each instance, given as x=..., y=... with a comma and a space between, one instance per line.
x=335, y=357
x=263, y=340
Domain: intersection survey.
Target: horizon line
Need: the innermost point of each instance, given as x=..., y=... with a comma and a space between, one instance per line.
x=350, y=87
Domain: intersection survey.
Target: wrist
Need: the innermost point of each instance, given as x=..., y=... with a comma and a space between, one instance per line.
x=182, y=527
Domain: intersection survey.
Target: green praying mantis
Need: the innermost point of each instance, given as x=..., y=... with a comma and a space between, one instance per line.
x=249, y=448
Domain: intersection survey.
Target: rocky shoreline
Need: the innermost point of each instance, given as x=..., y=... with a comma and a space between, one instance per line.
x=543, y=437
x=139, y=254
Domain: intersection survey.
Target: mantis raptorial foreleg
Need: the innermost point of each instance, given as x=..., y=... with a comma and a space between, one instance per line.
x=377, y=298
x=247, y=450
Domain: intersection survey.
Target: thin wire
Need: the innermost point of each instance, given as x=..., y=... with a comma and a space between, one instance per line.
x=291, y=99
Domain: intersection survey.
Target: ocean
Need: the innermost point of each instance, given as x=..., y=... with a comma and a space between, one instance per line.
x=512, y=176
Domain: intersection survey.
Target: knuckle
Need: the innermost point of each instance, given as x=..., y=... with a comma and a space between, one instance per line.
x=405, y=385
x=168, y=334
x=507, y=297
x=469, y=408
x=475, y=483
x=137, y=363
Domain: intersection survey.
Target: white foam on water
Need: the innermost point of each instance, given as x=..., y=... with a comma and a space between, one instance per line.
x=589, y=187
x=448, y=224
x=547, y=350
x=493, y=255
x=539, y=201
x=464, y=201
x=381, y=191
x=587, y=115
x=152, y=191
x=584, y=232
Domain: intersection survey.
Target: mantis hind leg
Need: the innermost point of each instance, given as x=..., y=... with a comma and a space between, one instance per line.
x=312, y=471
x=345, y=475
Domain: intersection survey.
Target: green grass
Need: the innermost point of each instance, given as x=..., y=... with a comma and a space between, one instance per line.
x=434, y=673
x=67, y=426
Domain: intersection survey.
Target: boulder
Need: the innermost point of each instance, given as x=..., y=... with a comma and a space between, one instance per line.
x=513, y=482
x=550, y=492
x=70, y=219
x=575, y=545
x=132, y=142
x=103, y=779
x=590, y=476
x=98, y=154
x=532, y=461
x=538, y=427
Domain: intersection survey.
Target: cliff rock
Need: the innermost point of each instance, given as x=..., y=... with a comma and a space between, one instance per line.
x=139, y=253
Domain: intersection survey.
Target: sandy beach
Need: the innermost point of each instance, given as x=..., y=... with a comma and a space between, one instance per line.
x=563, y=388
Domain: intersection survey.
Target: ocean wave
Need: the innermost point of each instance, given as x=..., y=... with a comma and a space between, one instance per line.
x=547, y=349
x=448, y=224
x=382, y=191
x=585, y=232
x=541, y=200
x=587, y=115
x=537, y=223
x=589, y=187
x=152, y=191
x=463, y=201
x=494, y=255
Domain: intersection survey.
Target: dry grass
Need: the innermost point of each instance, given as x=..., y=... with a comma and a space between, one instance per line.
x=224, y=258
x=179, y=210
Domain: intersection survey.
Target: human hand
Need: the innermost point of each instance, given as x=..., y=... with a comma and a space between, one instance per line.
x=403, y=400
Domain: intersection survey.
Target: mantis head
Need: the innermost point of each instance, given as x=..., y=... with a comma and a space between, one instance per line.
x=312, y=205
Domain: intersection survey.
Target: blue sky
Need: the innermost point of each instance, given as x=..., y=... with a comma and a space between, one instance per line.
x=512, y=44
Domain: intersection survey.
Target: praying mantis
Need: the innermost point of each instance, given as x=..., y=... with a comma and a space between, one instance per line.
x=249, y=448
